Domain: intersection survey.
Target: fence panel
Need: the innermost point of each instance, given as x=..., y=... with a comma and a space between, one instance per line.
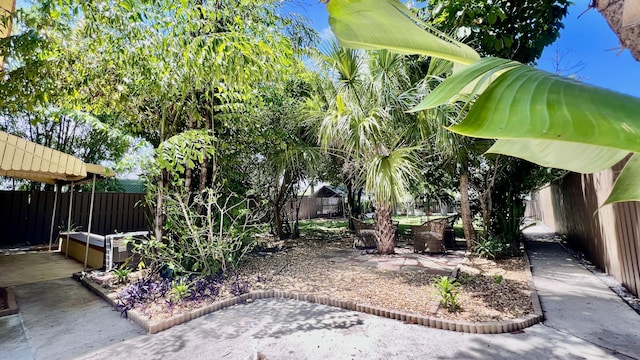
x=25, y=217
x=609, y=236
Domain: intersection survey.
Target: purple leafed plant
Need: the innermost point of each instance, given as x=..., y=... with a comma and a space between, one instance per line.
x=239, y=287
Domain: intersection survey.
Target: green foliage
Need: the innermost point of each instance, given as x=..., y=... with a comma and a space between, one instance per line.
x=550, y=109
x=494, y=247
x=448, y=292
x=180, y=289
x=506, y=29
x=122, y=274
x=497, y=279
x=64, y=227
x=205, y=233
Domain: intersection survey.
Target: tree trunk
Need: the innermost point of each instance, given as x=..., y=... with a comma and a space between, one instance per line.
x=279, y=203
x=277, y=219
x=203, y=175
x=624, y=19
x=350, y=201
x=159, y=216
x=384, y=227
x=465, y=209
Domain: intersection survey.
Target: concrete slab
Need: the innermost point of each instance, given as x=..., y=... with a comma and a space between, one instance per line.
x=576, y=302
x=31, y=267
x=14, y=344
x=289, y=329
x=61, y=320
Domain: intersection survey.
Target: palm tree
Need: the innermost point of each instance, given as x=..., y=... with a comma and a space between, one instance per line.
x=364, y=124
x=528, y=110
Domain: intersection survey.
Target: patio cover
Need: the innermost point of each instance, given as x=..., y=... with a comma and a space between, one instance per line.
x=24, y=159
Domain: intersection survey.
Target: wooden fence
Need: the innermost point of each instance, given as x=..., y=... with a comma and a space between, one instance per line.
x=25, y=217
x=610, y=237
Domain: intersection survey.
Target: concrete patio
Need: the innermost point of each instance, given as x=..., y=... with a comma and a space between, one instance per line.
x=60, y=319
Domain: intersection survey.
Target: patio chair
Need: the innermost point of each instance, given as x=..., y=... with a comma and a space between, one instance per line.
x=429, y=237
x=449, y=236
x=366, y=235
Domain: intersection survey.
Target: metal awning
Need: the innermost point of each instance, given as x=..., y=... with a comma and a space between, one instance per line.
x=23, y=159
x=20, y=158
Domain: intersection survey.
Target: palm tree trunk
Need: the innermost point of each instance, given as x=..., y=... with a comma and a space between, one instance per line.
x=624, y=19
x=386, y=234
x=465, y=209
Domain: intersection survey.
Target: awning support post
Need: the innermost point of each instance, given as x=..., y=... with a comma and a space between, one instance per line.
x=66, y=252
x=53, y=215
x=86, y=250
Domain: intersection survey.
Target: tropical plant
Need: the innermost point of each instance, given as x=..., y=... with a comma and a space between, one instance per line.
x=363, y=125
x=287, y=151
x=180, y=289
x=195, y=67
x=493, y=247
x=122, y=274
x=447, y=290
x=207, y=233
x=534, y=115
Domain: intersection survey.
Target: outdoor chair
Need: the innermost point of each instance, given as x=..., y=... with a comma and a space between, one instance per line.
x=429, y=237
x=366, y=235
x=449, y=236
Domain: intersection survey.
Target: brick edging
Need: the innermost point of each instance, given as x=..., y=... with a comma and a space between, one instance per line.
x=489, y=327
x=10, y=301
x=535, y=299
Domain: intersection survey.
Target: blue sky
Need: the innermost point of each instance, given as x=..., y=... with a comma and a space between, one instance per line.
x=587, y=41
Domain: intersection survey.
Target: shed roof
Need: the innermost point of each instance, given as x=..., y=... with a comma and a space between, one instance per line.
x=328, y=191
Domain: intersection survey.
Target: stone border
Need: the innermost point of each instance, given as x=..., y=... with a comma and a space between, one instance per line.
x=10, y=300
x=488, y=327
x=535, y=299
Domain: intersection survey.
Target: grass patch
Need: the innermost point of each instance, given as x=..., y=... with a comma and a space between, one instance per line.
x=315, y=226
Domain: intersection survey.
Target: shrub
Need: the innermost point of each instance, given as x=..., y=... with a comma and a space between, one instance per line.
x=206, y=233
x=493, y=247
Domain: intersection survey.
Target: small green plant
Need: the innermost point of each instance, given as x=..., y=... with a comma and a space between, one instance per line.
x=180, y=290
x=448, y=292
x=122, y=274
x=64, y=228
x=497, y=279
x=492, y=247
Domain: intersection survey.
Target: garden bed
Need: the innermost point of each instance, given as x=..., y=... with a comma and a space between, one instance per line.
x=491, y=292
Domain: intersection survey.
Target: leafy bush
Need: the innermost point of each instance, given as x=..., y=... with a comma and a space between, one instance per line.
x=206, y=233
x=141, y=292
x=448, y=292
x=494, y=247
x=192, y=288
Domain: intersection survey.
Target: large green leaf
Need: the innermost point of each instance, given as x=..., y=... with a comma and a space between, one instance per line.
x=456, y=83
x=526, y=103
x=533, y=108
x=627, y=187
x=560, y=154
x=388, y=24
